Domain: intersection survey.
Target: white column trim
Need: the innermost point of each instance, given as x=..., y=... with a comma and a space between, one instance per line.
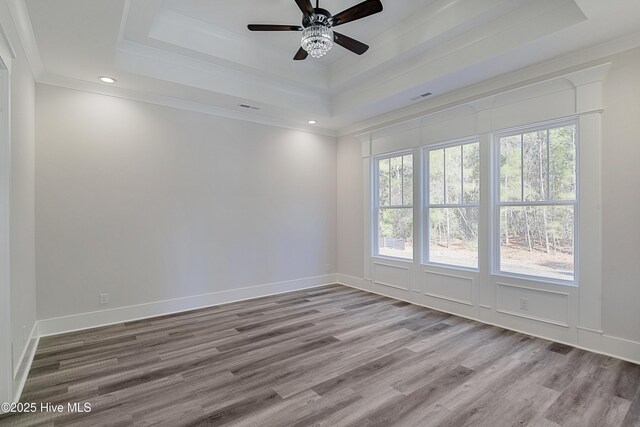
x=20, y=15
x=6, y=347
x=588, y=75
x=366, y=168
x=590, y=221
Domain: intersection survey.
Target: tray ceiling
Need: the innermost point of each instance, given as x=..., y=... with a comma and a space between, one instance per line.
x=198, y=54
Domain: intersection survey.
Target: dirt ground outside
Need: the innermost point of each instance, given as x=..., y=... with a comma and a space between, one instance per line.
x=514, y=258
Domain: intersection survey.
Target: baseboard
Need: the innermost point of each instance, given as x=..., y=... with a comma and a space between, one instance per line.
x=354, y=282
x=608, y=345
x=21, y=371
x=76, y=322
x=593, y=341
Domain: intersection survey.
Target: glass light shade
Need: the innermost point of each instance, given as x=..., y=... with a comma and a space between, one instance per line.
x=317, y=40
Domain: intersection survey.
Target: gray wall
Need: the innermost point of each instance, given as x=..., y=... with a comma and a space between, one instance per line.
x=149, y=203
x=621, y=203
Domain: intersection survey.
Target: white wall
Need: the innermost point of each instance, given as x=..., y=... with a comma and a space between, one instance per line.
x=350, y=207
x=620, y=201
x=22, y=203
x=148, y=203
x=621, y=206
x=23, y=267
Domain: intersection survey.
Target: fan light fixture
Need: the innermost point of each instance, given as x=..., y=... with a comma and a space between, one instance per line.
x=317, y=26
x=317, y=40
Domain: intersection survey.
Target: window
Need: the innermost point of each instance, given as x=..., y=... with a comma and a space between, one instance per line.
x=536, y=203
x=394, y=206
x=452, y=204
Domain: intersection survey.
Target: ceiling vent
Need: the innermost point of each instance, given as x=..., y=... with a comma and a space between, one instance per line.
x=424, y=95
x=249, y=107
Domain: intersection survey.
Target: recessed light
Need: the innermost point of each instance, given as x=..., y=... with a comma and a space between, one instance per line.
x=312, y=122
x=106, y=79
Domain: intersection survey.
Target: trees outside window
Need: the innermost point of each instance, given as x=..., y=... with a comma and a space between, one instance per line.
x=536, y=203
x=452, y=204
x=394, y=206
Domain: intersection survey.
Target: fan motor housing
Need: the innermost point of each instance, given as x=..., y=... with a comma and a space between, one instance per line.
x=319, y=17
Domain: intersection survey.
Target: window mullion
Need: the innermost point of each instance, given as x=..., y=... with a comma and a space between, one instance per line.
x=548, y=165
x=522, y=167
x=453, y=206
x=444, y=174
x=462, y=174
x=538, y=203
x=389, y=183
x=397, y=207
x=402, y=180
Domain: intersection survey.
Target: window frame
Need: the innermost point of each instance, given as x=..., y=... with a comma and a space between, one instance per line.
x=375, y=247
x=496, y=203
x=426, y=205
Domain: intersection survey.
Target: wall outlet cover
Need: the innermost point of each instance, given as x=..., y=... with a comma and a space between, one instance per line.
x=104, y=298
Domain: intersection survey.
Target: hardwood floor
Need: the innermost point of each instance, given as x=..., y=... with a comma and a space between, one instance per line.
x=330, y=356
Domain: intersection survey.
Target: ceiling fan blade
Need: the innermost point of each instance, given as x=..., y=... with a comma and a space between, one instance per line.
x=300, y=55
x=351, y=44
x=305, y=6
x=270, y=27
x=359, y=11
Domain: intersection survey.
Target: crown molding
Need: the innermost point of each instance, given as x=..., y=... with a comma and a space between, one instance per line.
x=97, y=88
x=238, y=51
x=22, y=22
x=9, y=52
x=556, y=67
x=569, y=65
x=126, y=7
x=589, y=75
x=429, y=27
x=172, y=67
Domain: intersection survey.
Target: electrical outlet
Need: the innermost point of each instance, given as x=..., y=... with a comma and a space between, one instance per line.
x=524, y=304
x=104, y=299
x=24, y=333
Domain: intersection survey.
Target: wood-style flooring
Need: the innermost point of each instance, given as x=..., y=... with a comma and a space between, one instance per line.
x=330, y=356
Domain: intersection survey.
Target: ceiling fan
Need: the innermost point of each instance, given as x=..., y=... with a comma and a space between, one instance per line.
x=317, y=34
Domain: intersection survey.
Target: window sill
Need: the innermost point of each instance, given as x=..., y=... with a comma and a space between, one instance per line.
x=450, y=267
x=390, y=258
x=535, y=279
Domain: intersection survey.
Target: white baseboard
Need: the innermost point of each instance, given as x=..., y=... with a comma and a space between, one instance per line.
x=95, y=319
x=594, y=341
x=21, y=371
x=354, y=282
x=609, y=345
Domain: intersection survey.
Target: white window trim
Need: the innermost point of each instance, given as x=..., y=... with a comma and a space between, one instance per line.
x=375, y=211
x=425, y=204
x=496, y=204
x=575, y=94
